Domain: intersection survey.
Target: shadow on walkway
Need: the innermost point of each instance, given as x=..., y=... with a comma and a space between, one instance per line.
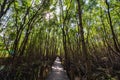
x=57, y=73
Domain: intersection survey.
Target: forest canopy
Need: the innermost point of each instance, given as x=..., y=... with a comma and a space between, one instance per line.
x=82, y=32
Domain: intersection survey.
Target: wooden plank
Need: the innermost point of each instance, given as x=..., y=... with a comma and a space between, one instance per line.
x=57, y=73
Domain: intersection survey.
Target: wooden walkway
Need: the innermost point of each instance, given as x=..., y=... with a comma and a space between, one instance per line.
x=57, y=73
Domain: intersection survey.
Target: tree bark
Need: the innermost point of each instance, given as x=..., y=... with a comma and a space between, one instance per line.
x=81, y=32
x=114, y=37
x=85, y=56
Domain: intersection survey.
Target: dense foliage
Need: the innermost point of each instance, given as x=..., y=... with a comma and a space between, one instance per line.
x=84, y=33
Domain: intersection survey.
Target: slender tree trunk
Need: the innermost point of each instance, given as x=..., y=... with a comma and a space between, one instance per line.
x=114, y=37
x=84, y=48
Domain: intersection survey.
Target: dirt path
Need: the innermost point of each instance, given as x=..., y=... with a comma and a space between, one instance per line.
x=57, y=73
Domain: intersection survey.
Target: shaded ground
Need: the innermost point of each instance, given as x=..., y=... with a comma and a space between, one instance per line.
x=25, y=68
x=57, y=73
